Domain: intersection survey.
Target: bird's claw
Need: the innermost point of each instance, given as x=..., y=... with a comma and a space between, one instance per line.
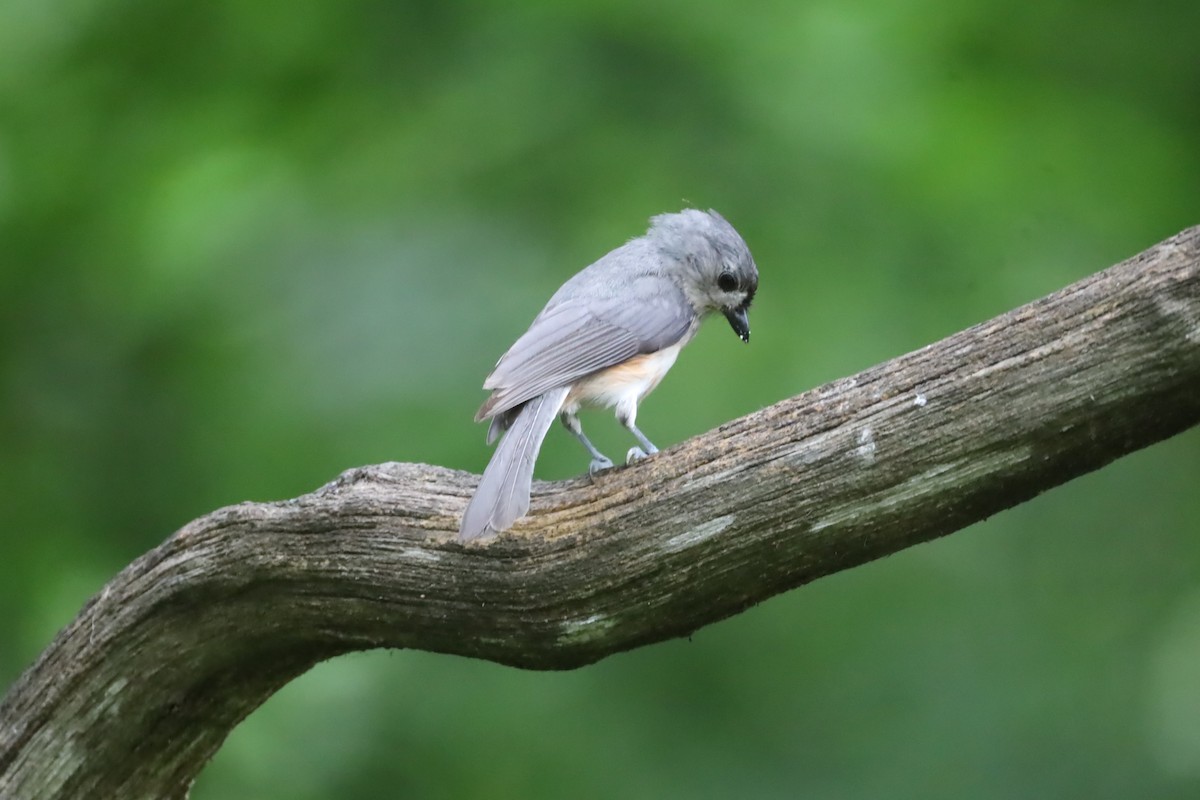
x=634, y=455
x=598, y=465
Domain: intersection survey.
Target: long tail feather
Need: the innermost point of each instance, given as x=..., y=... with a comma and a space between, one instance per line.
x=503, y=493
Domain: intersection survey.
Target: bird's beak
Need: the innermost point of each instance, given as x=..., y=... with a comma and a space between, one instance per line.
x=739, y=320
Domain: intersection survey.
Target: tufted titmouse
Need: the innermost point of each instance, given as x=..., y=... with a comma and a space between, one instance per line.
x=605, y=339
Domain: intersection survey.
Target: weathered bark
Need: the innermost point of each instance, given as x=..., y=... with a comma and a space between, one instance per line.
x=134, y=696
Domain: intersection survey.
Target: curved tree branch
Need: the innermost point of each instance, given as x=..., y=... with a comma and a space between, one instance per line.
x=134, y=696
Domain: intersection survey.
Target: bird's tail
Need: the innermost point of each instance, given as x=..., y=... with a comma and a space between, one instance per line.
x=503, y=493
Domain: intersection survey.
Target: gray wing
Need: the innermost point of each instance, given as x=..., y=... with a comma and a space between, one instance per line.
x=577, y=337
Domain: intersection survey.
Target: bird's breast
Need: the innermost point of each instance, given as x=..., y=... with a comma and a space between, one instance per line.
x=627, y=382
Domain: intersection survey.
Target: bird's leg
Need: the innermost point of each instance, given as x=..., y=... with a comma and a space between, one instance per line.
x=599, y=460
x=626, y=417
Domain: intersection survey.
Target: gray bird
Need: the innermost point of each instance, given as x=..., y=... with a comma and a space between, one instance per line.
x=605, y=340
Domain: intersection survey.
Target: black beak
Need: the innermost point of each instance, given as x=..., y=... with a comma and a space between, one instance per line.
x=739, y=320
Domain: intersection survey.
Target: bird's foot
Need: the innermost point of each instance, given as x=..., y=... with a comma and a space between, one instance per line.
x=635, y=455
x=599, y=465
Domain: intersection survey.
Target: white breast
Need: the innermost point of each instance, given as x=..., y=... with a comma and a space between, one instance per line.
x=625, y=384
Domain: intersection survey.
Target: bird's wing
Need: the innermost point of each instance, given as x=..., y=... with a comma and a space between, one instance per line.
x=576, y=337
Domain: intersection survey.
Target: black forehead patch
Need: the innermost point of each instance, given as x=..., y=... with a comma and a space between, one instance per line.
x=750, y=290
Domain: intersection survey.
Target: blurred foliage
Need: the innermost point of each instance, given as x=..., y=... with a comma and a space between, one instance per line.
x=244, y=246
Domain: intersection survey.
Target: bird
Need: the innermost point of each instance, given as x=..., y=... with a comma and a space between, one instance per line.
x=605, y=339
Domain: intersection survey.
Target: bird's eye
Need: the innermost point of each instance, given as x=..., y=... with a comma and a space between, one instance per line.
x=726, y=282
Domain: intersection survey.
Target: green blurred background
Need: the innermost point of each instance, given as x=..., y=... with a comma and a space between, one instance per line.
x=247, y=245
